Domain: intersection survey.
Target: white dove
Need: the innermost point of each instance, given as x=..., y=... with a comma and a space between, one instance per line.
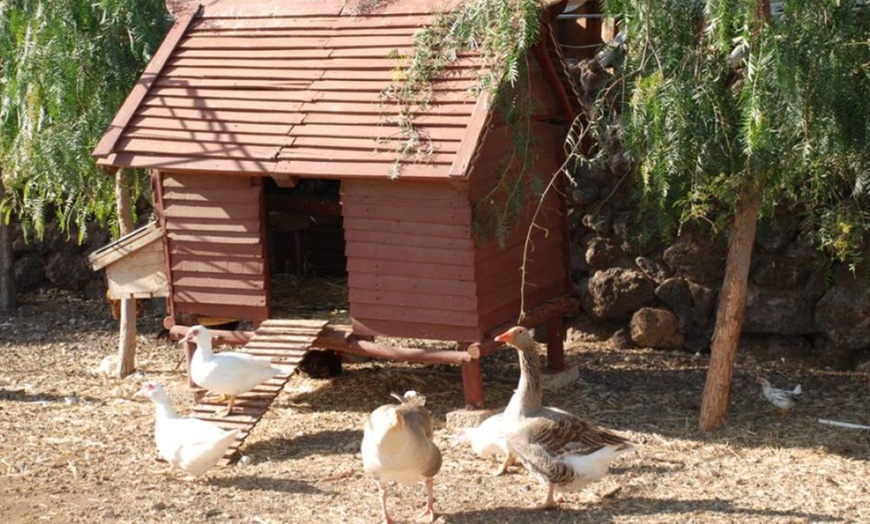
x=781, y=398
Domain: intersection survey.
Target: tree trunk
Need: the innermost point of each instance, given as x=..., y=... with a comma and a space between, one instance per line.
x=127, y=339
x=729, y=313
x=7, y=261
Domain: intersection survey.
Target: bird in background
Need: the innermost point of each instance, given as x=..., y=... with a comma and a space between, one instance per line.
x=397, y=447
x=565, y=452
x=190, y=444
x=784, y=399
x=228, y=373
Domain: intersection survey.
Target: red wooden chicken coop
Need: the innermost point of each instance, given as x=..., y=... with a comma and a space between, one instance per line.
x=263, y=126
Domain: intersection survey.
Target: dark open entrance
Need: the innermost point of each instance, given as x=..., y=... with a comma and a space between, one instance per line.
x=307, y=264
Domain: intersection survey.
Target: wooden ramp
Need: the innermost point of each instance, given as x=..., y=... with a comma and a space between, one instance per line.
x=284, y=343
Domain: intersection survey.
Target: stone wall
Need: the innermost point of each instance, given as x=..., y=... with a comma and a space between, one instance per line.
x=58, y=261
x=664, y=295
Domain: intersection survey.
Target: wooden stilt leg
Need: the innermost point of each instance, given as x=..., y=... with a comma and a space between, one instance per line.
x=472, y=383
x=555, y=343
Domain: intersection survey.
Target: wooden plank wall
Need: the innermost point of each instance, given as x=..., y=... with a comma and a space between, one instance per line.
x=216, y=253
x=499, y=283
x=410, y=260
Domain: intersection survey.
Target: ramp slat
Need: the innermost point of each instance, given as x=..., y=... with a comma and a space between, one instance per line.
x=285, y=343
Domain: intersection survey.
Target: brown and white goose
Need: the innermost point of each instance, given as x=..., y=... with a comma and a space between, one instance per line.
x=397, y=446
x=564, y=451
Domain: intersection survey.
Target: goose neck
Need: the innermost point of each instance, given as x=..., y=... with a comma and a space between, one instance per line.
x=527, y=396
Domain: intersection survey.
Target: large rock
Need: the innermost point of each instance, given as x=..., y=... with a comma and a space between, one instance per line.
x=691, y=302
x=653, y=269
x=696, y=258
x=843, y=315
x=601, y=253
x=583, y=194
x=29, y=272
x=778, y=311
x=704, y=300
x=675, y=293
x=600, y=221
x=656, y=328
x=68, y=271
x=775, y=234
x=615, y=292
x=790, y=269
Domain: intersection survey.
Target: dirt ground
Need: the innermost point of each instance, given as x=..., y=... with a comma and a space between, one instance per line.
x=76, y=446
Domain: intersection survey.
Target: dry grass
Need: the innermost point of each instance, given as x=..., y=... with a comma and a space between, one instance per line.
x=76, y=447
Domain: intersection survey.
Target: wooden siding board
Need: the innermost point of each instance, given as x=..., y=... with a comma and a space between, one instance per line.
x=223, y=310
x=410, y=240
x=405, y=226
x=510, y=312
x=410, y=254
x=200, y=226
x=228, y=266
x=228, y=196
x=210, y=210
x=428, y=215
x=411, y=285
x=184, y=279
x=413, y=300
x=367, y=326
x=198, y=183
x=402, y=268
x=226, y=296
x=413, y=314
x=217, y=249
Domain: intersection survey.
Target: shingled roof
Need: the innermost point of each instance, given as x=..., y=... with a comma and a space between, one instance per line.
x=292, y=89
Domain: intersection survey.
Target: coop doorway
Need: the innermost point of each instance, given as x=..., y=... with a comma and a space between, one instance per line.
x=307, y=263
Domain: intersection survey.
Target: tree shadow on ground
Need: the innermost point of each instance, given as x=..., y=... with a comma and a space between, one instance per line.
x=260, y=483
x=320, y=443
x=655, y=508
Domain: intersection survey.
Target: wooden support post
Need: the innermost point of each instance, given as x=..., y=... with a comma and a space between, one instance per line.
x=555, y=343
x=127, y=325
x=472, y=382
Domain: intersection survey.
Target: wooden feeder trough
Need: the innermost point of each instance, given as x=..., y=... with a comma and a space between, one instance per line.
x=134, y=264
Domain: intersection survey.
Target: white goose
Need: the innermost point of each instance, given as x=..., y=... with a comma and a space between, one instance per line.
x=397, y=447
x=227, y=373
x=564, y=451
x=487, y=440
x=189, y=444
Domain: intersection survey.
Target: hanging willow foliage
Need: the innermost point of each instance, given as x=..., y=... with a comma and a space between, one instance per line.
x=500, y=32
x=65, y=68
x=715, y=96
